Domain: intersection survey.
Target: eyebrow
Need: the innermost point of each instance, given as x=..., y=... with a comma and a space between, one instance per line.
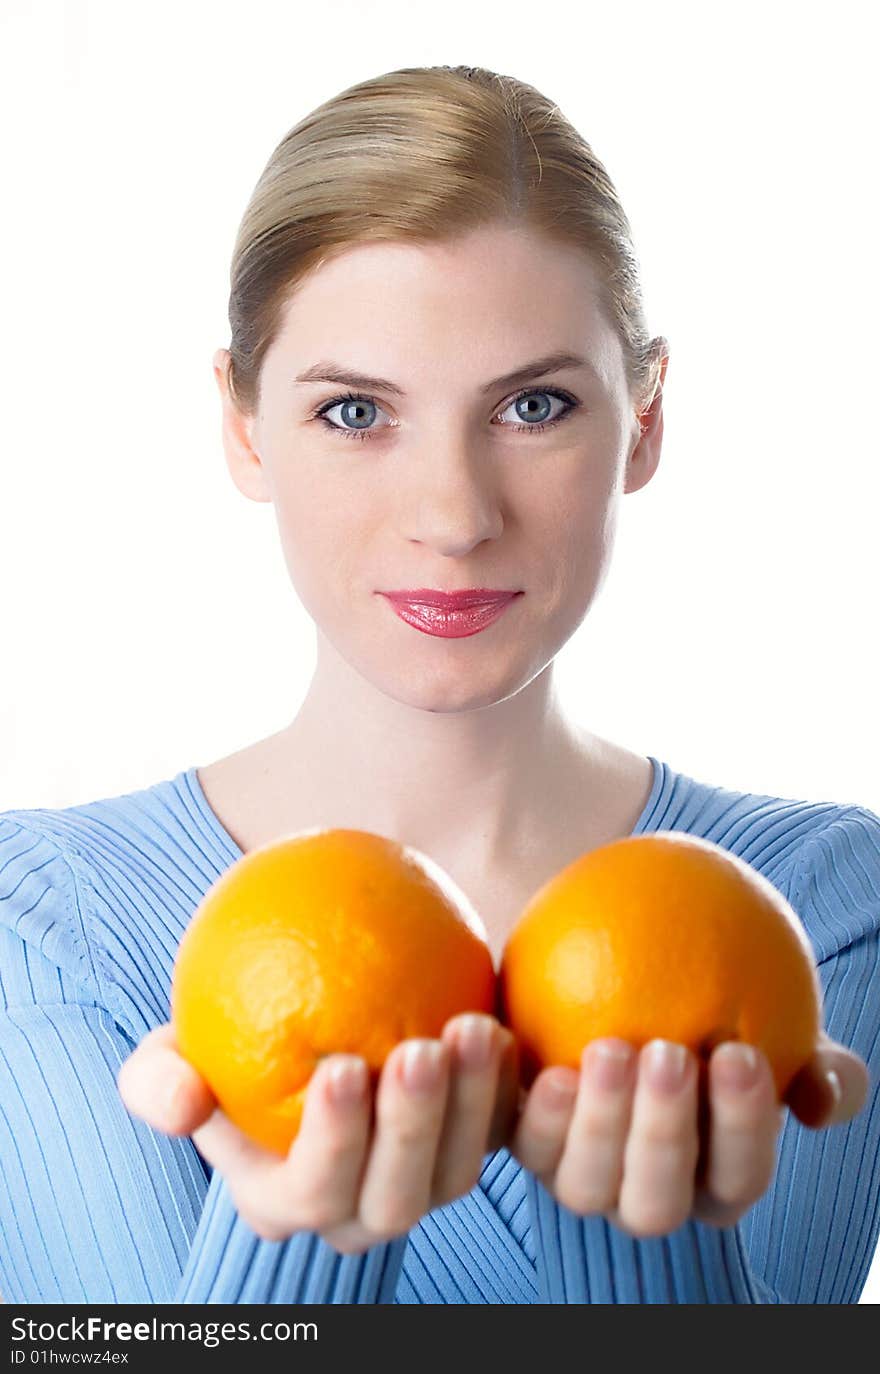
x=553, y=362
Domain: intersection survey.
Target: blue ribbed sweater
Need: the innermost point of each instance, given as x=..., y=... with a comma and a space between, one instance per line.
x=97, y=1207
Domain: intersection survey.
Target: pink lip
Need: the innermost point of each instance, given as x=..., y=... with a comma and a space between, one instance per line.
x=451, y=615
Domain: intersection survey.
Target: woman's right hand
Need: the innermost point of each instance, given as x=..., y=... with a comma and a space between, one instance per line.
x=360, y=1171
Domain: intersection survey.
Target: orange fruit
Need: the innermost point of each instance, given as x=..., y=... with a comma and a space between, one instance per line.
x=663, y=935
x=325, y=941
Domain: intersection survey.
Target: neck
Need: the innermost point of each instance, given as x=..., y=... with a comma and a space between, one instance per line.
x=486, y=786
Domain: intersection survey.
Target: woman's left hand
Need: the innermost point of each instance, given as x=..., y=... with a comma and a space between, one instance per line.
x=650, y=1157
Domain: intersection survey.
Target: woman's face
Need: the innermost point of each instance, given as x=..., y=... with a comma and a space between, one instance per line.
x=446, y=482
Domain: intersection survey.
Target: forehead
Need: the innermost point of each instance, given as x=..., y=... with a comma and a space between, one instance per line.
x=476, y=305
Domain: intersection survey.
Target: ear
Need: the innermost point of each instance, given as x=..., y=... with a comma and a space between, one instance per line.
x=242, y=459
x=645, y=454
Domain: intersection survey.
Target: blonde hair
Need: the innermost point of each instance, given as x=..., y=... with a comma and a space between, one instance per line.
x=421, y=155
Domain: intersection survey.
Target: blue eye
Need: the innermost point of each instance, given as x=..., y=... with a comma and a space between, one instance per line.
x=542, y=422
x=350, y=399
x=361, y=402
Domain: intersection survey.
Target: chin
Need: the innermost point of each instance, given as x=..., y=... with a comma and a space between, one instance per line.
x=451, y=691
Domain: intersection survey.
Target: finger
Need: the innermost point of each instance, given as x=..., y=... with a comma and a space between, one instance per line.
x=475, y=1047
x=156, y=1083
x=831, y=1088
x=410, y=1106
x=510, y=1095
x=743, y=1125
x=662, y=1148
x=319, y=1185
x=590, y=1171
x=278, y=1195
x=539, y=1136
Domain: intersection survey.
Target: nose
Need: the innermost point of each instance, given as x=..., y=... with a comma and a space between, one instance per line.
x=453, y=502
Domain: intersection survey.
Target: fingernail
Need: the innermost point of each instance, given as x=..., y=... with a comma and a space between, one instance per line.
x=172, y=1092
x=666, y=1062
x=348, y=1080
x=558, y=1090
x=473, y=1040
x=736, y=1066
x=608, y=1063
x=833, y=1081
x=421, y=1065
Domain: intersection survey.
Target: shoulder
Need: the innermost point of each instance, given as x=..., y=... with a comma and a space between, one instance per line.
x=40, y=902
x=105, y=890
x=833, y=880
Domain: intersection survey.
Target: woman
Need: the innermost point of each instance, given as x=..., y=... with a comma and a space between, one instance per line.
x=435, y=265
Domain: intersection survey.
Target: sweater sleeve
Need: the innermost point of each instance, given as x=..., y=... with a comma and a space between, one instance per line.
x=95, y=1205
x=812, y=1235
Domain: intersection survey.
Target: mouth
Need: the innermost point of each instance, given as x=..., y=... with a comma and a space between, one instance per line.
x=450, y=615
x=451, y=601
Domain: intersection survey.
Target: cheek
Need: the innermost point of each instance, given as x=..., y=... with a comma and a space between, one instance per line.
x=313, y=545
x=328, y=538
x=576, y=537
x=583, y=565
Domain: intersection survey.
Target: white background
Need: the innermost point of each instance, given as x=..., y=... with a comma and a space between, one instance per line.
x=149, y=623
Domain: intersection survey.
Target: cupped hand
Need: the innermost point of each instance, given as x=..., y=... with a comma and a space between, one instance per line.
x=365, y=1165
x=651, y=1152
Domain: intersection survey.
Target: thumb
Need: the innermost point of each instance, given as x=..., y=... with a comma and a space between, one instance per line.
x=156, y=1083
x=831, y=1088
